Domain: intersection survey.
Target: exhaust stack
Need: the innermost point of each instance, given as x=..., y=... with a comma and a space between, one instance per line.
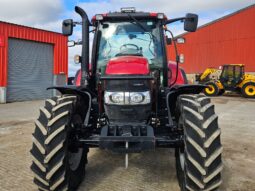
x=85, y=46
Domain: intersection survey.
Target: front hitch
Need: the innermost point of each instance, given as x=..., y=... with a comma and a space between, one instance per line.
x=127, y=138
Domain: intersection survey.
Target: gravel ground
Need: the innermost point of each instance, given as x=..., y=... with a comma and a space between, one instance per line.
x=150, y=171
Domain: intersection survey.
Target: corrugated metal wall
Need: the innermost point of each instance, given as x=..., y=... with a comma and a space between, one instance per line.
x=30, y=66
x=230, y=40
x=59, y=42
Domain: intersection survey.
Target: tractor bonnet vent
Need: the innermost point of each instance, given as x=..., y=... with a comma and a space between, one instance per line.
x=128, y=10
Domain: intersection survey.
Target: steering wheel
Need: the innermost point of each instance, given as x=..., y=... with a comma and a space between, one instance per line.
x=131, y=45
x=129, y=51
x=124, y=48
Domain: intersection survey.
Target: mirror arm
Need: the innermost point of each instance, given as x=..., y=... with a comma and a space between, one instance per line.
x=177, y=58
x=77, y=23
x=174, y=20
x=93, y=30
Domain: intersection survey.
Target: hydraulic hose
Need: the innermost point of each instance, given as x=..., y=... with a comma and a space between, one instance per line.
x=177, y=59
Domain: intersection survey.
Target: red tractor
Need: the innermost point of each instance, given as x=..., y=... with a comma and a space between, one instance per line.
x=126, y=104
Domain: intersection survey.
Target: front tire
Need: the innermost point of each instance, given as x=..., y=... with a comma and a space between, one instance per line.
x=198, y=162
x=212, y=89
x=57, y=164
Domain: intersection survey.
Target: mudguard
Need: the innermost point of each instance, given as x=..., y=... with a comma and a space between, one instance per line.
x=173, y=93
x=72, y=89
x=85, y=94
x=187, y=89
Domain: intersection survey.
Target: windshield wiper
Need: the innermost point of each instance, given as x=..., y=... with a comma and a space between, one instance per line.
x=138, y=23
x=152, y=37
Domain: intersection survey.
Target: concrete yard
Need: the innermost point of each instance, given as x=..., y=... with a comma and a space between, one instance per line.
x=148, y=171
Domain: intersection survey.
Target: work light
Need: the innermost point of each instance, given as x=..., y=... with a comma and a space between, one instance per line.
x=99, y=17
x=128, y=10
x=160, y=16
x=77, y=59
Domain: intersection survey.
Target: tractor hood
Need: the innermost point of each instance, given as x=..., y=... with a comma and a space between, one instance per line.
x=120, y=96
x=128, y=65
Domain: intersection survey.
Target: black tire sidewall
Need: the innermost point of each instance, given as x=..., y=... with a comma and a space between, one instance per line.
x=179, y=170
x=75, y=177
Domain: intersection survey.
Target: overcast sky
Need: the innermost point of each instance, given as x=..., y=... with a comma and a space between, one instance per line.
x=48, y=14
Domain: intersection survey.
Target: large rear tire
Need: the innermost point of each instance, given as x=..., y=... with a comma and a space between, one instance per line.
x=248, y=90
x=198, y=162
x=57, y=163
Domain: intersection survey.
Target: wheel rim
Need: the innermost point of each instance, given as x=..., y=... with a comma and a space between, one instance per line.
x=181, y=159
x=210, y=89
x=75, y=159
x=250, y=90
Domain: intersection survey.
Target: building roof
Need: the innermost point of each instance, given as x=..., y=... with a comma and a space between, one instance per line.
x=5, y=22
x=221, y=18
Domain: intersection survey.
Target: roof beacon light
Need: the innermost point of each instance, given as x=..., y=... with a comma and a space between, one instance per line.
x=128, y=10
x=99, y=17
x=161, y=16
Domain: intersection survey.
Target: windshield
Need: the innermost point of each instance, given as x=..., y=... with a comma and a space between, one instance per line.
x=130, y=38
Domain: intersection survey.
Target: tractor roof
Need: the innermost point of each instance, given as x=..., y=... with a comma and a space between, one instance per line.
x=126, y=13
x=234, y=65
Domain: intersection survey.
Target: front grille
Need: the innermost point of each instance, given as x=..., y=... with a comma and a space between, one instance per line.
x=127, y=85
x=127, y=113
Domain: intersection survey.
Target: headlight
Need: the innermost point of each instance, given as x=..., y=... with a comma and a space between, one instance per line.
x=140, y=97
x=127, y=98
x=114, y=98
x=136, y=97
x=117, y=98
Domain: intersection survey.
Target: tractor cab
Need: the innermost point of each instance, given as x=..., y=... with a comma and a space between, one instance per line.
x=137, y=38
x=232, y=75
x=129, y=37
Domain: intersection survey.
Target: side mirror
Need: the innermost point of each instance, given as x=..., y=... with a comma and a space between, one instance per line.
x=67, y=27
x=190, y=23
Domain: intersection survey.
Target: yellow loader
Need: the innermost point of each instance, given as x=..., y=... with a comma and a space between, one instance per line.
x=231, y=78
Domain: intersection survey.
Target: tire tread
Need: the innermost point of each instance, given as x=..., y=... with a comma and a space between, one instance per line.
x=48, y=149
x=203, y=149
